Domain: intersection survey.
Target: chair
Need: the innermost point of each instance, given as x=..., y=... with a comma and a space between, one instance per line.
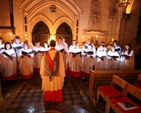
x=130, y=89
x=137, y=84
x=108, y=92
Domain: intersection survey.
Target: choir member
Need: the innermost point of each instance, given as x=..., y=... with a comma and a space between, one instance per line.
x=71, y=48
x=88, y=58
x=112, y=62
x=29, y=43
x=46, y=46
x=117, y=47
x=109, y=45
x=66, y=45
x=52, y=72
x=8, y=63
x=127, y=58
x=38, y=53
x=63, y=48
x=17, y=45
x=75, y=60
x=26, y=61
x=101, y=57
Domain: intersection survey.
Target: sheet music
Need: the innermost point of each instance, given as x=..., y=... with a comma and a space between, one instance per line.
x=127, y=105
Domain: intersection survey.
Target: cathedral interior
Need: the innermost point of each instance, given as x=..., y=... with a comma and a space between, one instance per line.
x=44, y=20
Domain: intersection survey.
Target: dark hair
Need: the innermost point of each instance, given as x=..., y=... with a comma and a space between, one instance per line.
x=103, y=44
x=17, y=37
x=115, y=41
x=37, y=42
x=61, y=38
x=6, y=44
x=130, y=48
x=52, y=43
x=25, y=43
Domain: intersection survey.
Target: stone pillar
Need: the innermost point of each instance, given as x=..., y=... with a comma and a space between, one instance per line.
x=121, y=10
x=121, y=35
x=110, y=29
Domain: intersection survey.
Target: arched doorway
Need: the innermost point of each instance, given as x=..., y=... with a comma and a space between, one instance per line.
x=64, y=31
x=40, y=33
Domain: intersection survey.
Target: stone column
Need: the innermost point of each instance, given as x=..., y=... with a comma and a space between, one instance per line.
x=110, y=29
x=118, y=21
x=121, y=35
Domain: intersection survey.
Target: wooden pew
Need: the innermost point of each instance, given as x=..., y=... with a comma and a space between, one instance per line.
x=131, y=75
x=103, y=77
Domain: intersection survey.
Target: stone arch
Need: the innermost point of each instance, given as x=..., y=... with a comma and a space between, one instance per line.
x=38, y=19
x=40, y=33
x=64, y=31
x=32, y=7
x=62, y=20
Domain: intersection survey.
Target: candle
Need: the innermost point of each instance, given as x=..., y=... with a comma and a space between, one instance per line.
x=96, y=37
x=83, y=38
x=11, y=36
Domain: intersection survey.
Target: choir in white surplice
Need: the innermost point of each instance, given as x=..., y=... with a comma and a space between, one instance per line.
x=20, y=57
x=8, y=63
x=101, y=57
x=26, y=61
x=38, y=53
x=88, y=58
x=75, y=60
x=63, y=48
x=17, y=46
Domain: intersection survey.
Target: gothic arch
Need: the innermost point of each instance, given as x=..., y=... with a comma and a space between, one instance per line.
x=62, y=20
x=64, y=31
x=40, y=33
x=32, y=7
x=39, y=18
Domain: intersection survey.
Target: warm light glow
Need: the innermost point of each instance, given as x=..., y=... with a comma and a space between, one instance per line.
x=96, y=37
x=83, y=38
x=10, y=35
x=112, y=39
x=52, y=37
x=124, y=1
x=26, y=36
x=128, y=9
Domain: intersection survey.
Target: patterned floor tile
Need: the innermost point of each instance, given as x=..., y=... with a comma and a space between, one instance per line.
x=29, y=98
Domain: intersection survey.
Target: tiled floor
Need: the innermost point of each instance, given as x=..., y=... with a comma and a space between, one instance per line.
x=25, y=96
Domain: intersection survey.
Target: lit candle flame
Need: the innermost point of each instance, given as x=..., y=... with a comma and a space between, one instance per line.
x=10, y=35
